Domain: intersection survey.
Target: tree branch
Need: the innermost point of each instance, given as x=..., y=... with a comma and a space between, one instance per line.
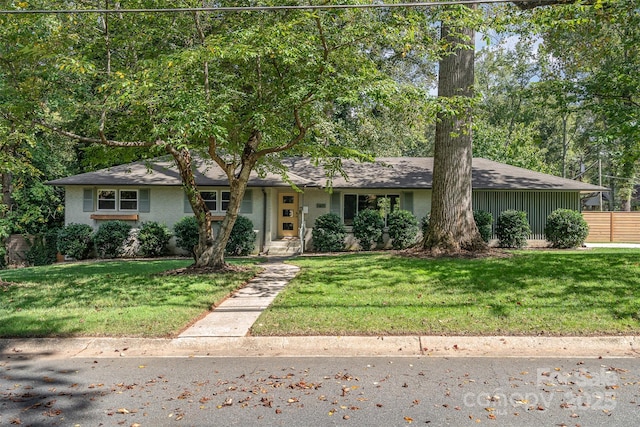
x=102, y=140
x=302, y=131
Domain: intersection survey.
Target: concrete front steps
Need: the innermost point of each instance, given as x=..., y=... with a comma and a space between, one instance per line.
x=284, y=247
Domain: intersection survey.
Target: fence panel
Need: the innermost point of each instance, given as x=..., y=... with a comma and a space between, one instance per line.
x=619, y=227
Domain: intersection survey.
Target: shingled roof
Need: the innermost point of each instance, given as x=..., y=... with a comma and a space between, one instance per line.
x=386, y=172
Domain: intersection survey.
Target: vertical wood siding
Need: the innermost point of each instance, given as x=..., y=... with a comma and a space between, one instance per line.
x=537, y=204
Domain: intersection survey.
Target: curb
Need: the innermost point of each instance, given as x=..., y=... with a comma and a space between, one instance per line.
x=325, y=346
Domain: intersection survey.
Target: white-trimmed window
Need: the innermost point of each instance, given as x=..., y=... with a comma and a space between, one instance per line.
x=107, y=200
x=210, y=199
x=128, y=200
x=225, y=199
x=354, y=203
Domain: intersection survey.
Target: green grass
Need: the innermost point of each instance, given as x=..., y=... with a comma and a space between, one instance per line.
x=116, y=298
x=534, y=292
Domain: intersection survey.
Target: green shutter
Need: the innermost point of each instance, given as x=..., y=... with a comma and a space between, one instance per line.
x=187, y=205
x=335, y=203
x=144, y=202
x=407, y=201
x=87, y=200
x=246, y=207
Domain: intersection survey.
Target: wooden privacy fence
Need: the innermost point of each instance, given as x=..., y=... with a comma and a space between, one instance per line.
x=621, y=227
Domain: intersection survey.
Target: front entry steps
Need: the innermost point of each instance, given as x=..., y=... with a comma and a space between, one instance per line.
x=286, y=246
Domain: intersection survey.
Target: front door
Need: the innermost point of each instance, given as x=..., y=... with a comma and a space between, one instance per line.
x=288, y=214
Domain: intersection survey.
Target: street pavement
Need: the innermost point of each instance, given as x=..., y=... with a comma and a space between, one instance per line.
x=299, y=391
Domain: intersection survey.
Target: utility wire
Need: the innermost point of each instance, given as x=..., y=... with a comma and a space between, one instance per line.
x=258, y=8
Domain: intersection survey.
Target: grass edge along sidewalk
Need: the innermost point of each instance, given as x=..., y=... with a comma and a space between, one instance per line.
x=585, y=292
x=534, y=292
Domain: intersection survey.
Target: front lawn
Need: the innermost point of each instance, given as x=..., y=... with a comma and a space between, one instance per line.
x=594, y=291
x=114, y=298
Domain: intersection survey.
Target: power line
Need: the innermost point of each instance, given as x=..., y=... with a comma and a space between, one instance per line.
x=258, y=8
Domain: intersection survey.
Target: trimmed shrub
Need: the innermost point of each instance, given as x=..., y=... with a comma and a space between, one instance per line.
x=154, y=239
x=328, y=233
x=424, y=225
x=242, y=240
x=110, y=238
x=186, y=232
x=512, y=229
x=368, y=227
x=43, y=249
x=566, y=229
x=484, y=222
x=403, y=229
x=74, y=240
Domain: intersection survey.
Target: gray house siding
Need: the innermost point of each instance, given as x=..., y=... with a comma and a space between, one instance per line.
x=537, y=204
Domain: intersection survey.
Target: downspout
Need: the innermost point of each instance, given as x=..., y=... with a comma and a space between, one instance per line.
x=302, y=230
x=264, y=220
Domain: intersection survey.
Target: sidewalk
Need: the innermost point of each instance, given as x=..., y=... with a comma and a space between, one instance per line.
x=223, y=333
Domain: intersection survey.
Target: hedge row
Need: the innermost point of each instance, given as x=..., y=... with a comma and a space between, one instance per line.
x=117, y=238
x=564, y=229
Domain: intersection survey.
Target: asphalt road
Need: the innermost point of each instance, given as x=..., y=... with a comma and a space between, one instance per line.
x=290, y=391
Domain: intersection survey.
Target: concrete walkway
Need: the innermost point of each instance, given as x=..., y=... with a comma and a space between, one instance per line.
x=235, y=315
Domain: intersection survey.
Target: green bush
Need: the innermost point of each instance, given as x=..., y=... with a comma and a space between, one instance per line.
x=403, y=229
x=424, y=225
x=154, y=239
x=110, y=238
x=74, y=240
x=484, y=222
x=186, y=232
x=43, y=249
x=328, y=233
x=566, y=229
x=242, y=240
x=512, y=229
x=368, y=227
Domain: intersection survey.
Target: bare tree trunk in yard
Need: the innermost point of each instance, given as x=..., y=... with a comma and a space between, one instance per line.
x=452, y=227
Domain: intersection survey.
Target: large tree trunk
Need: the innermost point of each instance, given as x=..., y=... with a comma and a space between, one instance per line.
x=452, y=227
x=209, y=252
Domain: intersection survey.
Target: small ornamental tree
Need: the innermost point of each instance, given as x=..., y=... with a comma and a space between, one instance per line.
x=186, y=232
x=328, y=233
x=484, y=222
x=368, y=227
x=242, y=240
x=513, y=229
x=403, y=229
x=566, y=229
x=154, y=239
x=110, y=238
x=74, y=240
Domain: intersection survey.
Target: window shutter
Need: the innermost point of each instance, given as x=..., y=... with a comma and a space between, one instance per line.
x=187, y=205
x=144, y=202
x=246, y=206
x=87, y=200
x=335, y=203
x=407, y=204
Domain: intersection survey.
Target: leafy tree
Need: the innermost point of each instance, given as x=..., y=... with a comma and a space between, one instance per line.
x=235, y=90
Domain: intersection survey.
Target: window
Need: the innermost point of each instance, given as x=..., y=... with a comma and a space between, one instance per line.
x=107, y=200
x=354, y=203
x=210, y=199
x=226, y=197
x=128, y=200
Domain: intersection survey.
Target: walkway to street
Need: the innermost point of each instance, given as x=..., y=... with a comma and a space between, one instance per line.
x=235, y=315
